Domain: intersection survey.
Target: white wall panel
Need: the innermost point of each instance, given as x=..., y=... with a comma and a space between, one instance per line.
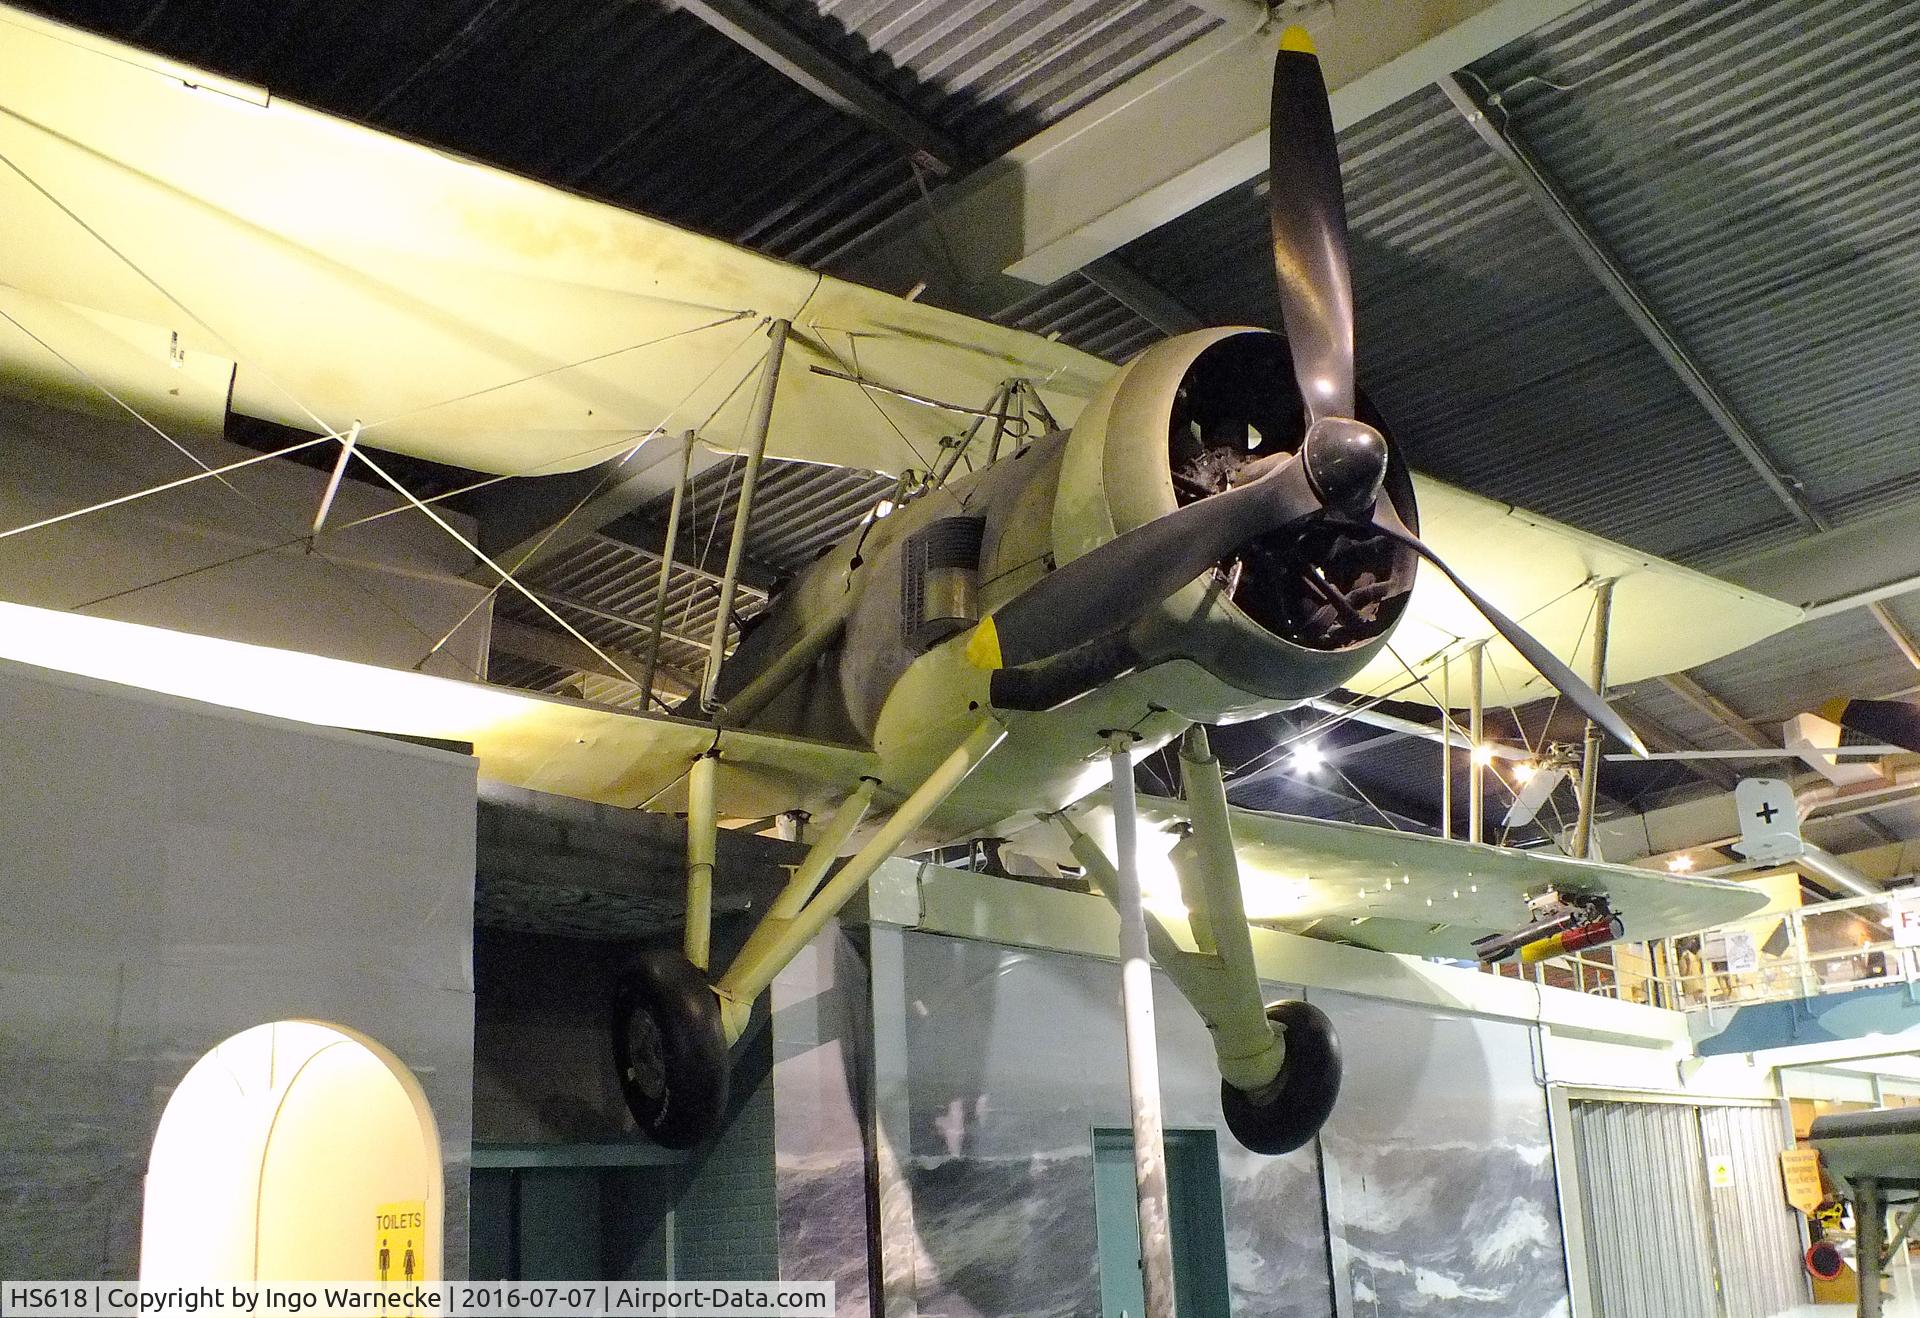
x=172, y=874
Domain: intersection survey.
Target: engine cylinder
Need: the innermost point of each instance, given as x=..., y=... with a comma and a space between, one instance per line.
x=1291, y=614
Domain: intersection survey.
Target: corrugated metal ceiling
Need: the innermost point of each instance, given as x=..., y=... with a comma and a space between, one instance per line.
x=993, y=72
x=1498, y=361
x=1800, y=669
x=799, y=509
x=1755, y=167
x=625, y=100
x=1080, y=312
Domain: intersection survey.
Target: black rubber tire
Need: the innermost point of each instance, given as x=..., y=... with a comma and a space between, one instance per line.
x=1287, y=1113
x=670, y=1049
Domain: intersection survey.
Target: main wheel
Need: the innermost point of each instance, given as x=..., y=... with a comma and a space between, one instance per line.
x=669, y=1048
x=1286, y=1113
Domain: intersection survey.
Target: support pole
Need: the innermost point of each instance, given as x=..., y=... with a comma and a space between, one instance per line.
x=1446, y=748
x=756, y=450
x=1143, y=1054
x=1870, y=1237
x=749, y=974
x=1476, y=732
x=672, y=543
x=1590, y=754
x=703, y=837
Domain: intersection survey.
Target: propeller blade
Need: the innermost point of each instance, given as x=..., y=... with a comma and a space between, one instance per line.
x=1113, y=584
x=1308, y=213
x=1583, y=697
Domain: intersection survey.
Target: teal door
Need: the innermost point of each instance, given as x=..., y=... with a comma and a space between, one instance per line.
x=1198, y=1224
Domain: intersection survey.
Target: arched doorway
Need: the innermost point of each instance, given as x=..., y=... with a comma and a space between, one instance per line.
x=294, y=1151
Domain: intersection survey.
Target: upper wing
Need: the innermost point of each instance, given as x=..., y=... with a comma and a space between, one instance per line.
x=191, y=243
x=1405, y=892
x=1666, y=618
x=540, y=742
x=343, y=274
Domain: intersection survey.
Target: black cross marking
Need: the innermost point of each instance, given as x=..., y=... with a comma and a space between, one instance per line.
x=1766, y=812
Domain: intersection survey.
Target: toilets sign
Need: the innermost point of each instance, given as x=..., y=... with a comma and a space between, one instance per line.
x=400, y=1241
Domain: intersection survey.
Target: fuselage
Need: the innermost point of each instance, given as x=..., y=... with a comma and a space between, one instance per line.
x=903, y=685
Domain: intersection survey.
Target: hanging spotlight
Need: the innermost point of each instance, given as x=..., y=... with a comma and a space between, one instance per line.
x=1308, y=757
x=1483, y=755
x=1680, y=864
x=1523, y=772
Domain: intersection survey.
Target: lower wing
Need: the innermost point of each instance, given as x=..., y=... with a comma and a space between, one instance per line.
x=1402, y=892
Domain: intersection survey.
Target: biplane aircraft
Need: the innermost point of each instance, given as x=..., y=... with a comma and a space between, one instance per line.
x=1221, y=529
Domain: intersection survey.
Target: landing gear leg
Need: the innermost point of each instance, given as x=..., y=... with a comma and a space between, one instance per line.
x=669, y=1042
x=679, y=1019
x=1279, y=1064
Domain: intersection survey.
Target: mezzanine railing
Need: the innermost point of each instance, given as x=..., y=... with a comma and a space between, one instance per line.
x=1801, y=952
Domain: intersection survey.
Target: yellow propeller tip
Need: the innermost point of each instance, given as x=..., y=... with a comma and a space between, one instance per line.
x=1832, y=710
x=1295, y=38
x=983, y=647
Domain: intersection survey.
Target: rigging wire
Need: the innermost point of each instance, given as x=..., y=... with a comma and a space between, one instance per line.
x=208, y=471
x=332, y=432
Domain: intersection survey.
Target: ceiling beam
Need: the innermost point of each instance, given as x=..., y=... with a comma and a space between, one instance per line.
x=1182, y=131
x=779, y=46
x=1660, y=739
x=1718, y=710
x=1848, y=567
x=549, y=647
x=1551, y=199
x=527, y=521
x=1142, y=296
x=1491, y=124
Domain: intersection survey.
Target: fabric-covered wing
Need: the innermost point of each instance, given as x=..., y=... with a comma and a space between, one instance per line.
x=339, y=274
x=1404, y=892
x=1666, y=618
x=540, y=742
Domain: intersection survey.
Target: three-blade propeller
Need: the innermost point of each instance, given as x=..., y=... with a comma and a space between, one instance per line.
x=1338, y=472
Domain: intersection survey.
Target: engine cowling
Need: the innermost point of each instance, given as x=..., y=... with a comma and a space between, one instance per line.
x=1293, y=614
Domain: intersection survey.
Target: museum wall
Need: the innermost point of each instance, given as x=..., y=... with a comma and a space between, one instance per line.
x=1439, y=1168
x=1012, y=1057
x=822, y=1077
x=176, y=873
x=964, y=1112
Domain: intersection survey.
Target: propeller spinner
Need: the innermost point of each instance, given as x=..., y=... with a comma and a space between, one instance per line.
x=1336, y=475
